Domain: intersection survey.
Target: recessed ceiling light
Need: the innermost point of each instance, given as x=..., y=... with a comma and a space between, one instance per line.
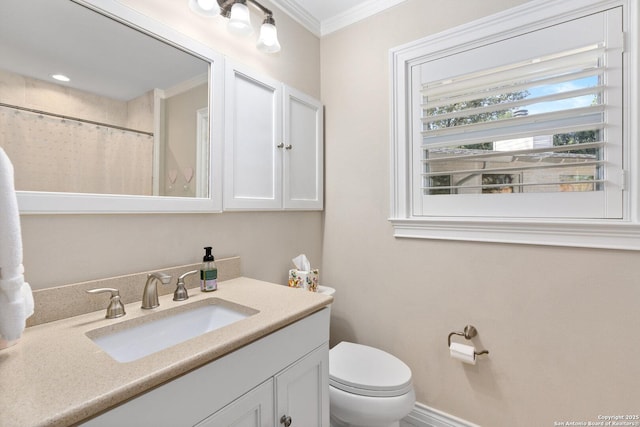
x=60, y=77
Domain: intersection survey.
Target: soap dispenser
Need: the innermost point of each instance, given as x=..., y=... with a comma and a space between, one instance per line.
x=208, y=272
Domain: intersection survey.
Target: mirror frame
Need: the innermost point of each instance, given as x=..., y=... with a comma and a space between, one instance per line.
x=36, y=202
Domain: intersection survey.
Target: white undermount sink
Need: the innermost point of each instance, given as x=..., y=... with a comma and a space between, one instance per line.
x=136, y=338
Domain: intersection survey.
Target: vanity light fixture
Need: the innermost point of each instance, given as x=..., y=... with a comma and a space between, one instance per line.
x=239, y=20
x=206, y=8
x=237, y=12
x=268, y=40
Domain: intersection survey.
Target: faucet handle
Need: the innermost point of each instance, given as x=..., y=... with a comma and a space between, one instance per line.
x=115, y=308
x=181, y=293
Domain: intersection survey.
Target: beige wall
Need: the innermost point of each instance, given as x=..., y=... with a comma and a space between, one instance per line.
x=559, y=322
x=23, y=91
x=62, y=249
x=180, y=132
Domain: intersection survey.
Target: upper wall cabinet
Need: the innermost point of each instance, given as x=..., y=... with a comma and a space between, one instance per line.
x=273, y=145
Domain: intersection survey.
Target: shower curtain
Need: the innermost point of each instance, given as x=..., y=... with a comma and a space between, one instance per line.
x=53, y=154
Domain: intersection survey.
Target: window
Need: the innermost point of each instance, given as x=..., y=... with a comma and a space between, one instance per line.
x=513, y=127
x=528, y=108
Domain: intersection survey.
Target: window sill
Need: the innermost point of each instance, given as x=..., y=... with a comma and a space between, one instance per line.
x=603, y=235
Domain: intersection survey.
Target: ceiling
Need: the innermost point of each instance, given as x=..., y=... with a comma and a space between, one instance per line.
x=323, y=17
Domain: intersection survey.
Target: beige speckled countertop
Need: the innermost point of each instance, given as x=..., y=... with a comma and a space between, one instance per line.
x=56, y=376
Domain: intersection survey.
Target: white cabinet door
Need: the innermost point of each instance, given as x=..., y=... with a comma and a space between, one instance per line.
x=273, y=144
x=253, y=131
x=302, y=391
x=303, y=155
x=254, y=409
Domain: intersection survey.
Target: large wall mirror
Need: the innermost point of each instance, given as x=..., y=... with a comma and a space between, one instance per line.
x=131, y=128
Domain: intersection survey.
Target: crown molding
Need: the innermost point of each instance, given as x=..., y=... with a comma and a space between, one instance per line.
x=299, y=14
x=348, y=17
x=355, y=14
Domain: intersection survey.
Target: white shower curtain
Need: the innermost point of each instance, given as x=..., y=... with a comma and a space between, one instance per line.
x=53, y=154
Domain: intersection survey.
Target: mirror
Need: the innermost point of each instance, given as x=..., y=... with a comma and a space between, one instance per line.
x=130, y=131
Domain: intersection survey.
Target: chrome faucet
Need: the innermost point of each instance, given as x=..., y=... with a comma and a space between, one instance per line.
x=150, y=294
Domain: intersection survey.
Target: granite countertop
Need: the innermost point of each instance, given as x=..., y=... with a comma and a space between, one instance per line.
x=57, y=376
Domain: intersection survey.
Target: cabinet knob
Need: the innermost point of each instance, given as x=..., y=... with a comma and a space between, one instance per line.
x=286, y=420
x=288, y=147
x=281, y=145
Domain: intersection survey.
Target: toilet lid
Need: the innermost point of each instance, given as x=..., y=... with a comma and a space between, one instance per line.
x=367, y=371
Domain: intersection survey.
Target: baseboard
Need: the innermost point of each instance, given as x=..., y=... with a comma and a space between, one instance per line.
x=424, y=416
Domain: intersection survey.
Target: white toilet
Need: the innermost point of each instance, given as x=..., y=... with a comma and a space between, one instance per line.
x=367, y=386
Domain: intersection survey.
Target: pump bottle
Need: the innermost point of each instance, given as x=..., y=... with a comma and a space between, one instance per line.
x=208, y=272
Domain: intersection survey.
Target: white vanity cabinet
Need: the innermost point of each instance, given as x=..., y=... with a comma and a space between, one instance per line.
x=254, y=409
x=280, y=377
x=273, y=145
x=300, y=398
x=302, y=391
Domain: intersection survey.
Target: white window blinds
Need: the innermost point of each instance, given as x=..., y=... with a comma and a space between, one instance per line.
x=534, y=118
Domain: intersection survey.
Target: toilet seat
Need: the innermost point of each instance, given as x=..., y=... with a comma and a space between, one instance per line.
x=368, y=371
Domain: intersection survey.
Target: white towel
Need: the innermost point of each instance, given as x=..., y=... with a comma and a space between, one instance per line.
x=16, y=298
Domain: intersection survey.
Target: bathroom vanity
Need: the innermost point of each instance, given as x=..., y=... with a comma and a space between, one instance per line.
x=268, y=369
x=281, y=376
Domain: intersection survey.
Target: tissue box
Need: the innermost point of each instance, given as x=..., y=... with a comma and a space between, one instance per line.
x=304, y=279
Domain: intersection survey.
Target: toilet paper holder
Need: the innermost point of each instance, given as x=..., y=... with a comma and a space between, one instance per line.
x=468, y=333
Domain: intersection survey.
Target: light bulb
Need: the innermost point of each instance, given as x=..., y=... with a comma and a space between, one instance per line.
x=206, y=8
x=239, y=20
x=268, y=40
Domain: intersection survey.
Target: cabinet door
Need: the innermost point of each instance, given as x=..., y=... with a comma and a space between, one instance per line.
x=253, y=131
x=254, y=409
x=303, y=154
x=302, y=391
